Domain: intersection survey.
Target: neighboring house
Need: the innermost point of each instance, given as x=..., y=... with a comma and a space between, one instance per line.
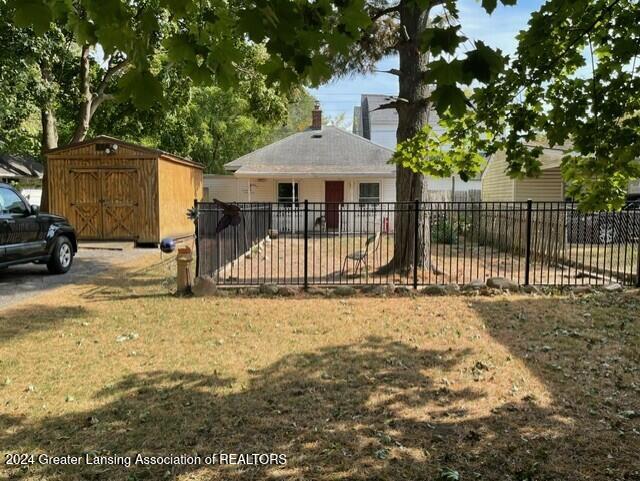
x=16, y=168
x=321, y=164
x=20, y=169
x=548, y=187
x=380, y=127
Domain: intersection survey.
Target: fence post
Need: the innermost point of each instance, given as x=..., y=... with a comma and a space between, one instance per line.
x=527, y=261
x=306, y=244
x=638, y=263
x=416, y=231
x=195, y=221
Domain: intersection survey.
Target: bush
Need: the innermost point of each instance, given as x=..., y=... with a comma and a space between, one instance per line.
x=443, y=231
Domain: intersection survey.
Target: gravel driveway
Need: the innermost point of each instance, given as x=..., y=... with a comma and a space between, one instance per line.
x=22, y=282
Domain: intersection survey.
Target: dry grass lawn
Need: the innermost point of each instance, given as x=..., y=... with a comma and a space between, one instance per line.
x=506, y=388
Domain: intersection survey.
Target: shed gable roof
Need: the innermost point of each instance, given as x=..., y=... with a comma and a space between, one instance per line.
x=150, y=151
x=329, y=151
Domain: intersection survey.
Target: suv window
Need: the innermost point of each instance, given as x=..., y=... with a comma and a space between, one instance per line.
x=11, y=203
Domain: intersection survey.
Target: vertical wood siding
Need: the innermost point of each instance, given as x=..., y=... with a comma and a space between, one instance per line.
x=178, y=185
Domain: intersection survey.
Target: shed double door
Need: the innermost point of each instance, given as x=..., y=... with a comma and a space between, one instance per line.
x=105, y=203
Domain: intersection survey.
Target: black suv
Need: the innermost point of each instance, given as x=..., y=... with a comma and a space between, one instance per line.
x=27, y=235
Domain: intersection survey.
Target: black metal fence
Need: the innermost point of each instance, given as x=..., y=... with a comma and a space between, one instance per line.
x=317, y=243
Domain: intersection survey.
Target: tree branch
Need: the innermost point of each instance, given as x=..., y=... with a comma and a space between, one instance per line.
x=376, y=14
x=391, y=105
x=109, y=74
x=392, y=71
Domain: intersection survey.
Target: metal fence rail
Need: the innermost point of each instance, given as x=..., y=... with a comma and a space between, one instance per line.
x=317, y=243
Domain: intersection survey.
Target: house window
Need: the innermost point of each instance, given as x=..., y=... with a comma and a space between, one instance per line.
x=369, y=192
x=288, y=193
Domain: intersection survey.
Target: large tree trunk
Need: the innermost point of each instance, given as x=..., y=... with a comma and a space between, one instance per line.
x=85, y=111
x=412, y=110
x=49, y=134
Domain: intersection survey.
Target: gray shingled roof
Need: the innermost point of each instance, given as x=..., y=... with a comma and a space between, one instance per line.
x=330, y=151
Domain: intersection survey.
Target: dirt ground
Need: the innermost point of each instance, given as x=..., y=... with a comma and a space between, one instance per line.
x=281, y=260
x=505, y=388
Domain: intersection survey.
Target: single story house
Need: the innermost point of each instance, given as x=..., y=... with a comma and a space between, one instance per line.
x=548, y=187
x=321, y=164
x=115, y=190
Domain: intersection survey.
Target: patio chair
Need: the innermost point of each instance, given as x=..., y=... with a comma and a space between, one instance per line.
x=359, y=258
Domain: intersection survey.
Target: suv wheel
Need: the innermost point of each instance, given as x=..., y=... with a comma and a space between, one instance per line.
x=61, y=257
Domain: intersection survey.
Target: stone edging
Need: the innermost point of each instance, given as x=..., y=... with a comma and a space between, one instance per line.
x=204, y=287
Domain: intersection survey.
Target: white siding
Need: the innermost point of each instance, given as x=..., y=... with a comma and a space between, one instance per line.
x=388, y=190
x=223, y=187
x=231, y=189
x=312, y=190
x=33, y=196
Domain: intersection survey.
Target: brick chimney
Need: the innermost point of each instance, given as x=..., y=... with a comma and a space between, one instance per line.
x=316, y=117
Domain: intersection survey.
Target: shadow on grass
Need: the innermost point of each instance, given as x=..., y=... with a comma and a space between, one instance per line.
x=586, y=351
x=335, y=412
x=20, y=321
x=156, y=280
x=370, y=411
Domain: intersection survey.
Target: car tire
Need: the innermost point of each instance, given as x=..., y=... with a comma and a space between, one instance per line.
x=61, y=256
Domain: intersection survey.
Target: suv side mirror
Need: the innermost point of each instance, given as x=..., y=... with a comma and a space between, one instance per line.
x=35, y=210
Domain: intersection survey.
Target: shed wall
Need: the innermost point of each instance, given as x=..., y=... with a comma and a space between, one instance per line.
x=178, y=185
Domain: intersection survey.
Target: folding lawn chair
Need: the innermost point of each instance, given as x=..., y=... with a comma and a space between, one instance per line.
x=359, y=258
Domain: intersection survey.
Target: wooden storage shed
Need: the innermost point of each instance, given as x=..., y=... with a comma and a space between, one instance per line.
x=114, y=190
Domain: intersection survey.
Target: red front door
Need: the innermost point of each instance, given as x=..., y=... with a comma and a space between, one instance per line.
x=333, y=196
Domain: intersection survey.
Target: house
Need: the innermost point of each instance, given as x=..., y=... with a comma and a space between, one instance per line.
x=380, y=125
x=320, y=164
x=23, y=170
x=16, y=168
x=114, y=190
x=547, y=187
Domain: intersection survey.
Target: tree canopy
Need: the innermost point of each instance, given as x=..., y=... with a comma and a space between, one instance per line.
x=573, y=78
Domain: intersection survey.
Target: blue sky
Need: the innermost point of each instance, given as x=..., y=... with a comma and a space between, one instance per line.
x=498, y=30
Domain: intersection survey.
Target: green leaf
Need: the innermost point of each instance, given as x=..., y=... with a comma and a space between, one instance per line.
x=143, y=88
x=33, y=13
x=483, y=63
x=489, y=5
x=441, y=72
x=180, y=48
x=437, y=40
x=451, y=98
